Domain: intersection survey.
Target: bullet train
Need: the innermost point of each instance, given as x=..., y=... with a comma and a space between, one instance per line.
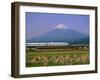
x=48, y=44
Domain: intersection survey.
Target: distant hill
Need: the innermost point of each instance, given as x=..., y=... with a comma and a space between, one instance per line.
x=61, y=34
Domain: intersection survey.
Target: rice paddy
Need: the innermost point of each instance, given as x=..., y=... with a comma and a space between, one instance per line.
x=56, y=57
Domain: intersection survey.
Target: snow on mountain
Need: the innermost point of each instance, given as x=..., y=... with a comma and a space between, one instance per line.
x=61, y=26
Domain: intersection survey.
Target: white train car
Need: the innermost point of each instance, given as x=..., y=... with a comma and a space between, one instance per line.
x=47, y=44
x=36, y=44
x=58, y=43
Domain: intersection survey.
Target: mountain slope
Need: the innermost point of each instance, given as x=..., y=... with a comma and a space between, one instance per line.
x=61, y=35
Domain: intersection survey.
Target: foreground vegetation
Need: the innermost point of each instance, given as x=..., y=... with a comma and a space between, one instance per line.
x=55, y=58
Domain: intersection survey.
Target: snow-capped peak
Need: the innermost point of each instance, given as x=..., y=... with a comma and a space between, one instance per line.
x=61, y=26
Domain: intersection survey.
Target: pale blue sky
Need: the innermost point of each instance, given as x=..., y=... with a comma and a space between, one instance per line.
x=40, y=23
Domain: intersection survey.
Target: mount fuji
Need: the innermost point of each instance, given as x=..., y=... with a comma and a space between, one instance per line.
x=61, y=33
